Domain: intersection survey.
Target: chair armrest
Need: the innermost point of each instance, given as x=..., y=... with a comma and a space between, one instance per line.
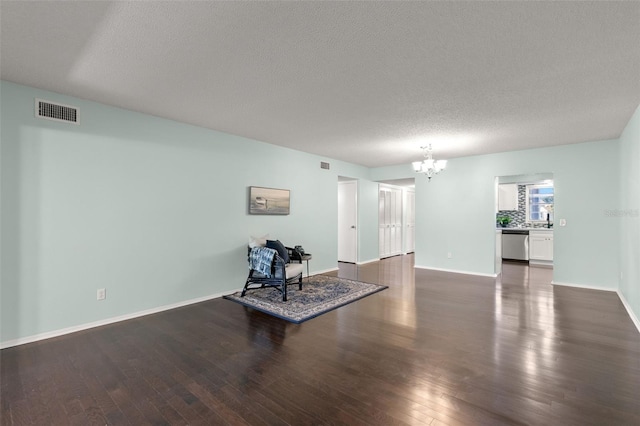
x=279, y=265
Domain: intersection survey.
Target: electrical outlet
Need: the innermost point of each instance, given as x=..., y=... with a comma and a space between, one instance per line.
x=102, y=293
x=449, y=255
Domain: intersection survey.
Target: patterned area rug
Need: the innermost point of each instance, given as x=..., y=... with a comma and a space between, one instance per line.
x=319, y=294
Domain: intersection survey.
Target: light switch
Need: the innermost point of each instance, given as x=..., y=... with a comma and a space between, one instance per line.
x=563, y=222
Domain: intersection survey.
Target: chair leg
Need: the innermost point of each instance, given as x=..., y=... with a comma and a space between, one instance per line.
x=246, y=284
x=284, y=290
x=300, y=282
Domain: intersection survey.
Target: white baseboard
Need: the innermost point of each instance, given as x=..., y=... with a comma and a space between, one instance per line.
x=588, y=287
x=368, y=261
x=455, y=271
x=632, y=314
x=542, y=263
x=69, y=330
x=324, y=271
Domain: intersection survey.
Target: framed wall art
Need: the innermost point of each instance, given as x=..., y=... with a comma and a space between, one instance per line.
x=269, y=201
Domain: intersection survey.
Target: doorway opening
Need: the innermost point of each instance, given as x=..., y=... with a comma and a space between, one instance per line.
x=396, y=217
x=524, y=207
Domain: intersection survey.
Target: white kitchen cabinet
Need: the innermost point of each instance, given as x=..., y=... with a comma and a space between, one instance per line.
x=541, y=245
x=508, y=196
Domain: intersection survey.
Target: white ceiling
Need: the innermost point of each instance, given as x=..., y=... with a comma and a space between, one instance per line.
x=364, y=82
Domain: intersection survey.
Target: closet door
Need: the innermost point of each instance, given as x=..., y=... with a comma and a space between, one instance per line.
x=390, y=221
x=384, y=225
x=381, y=224
x=410, y=246
x=387, y=223
x=397, y=221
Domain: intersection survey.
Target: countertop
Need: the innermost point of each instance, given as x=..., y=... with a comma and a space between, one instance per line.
x=526, y=229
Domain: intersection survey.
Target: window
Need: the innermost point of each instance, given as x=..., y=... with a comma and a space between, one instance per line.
x=539, y=203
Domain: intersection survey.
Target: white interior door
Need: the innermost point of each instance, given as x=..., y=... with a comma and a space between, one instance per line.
x=381, y=223
x=393, y=247
x=410, y=245
x=387, y=223
x=347, y=222
x=397, y=221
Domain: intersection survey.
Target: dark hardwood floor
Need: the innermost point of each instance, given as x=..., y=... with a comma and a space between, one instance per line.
x=434, y=349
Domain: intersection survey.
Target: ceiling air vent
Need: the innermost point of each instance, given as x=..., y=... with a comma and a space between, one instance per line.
x=324, y=165
x=56, y=112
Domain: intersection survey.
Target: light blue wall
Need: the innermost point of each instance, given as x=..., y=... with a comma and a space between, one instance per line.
x=153, y=210
x=455, y=212
x=628, y=216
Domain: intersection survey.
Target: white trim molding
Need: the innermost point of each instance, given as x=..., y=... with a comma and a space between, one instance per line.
x=588, y=287
x=324, y=271
x=364, y=262
x=541, y=263
x=632, y=314
x=81, y=327
x=454, y=271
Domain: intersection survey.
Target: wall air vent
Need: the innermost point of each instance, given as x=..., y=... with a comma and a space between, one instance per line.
x=56, y=112
x=324, y=165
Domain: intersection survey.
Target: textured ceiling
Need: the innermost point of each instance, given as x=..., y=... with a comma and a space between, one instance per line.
x=364, y=82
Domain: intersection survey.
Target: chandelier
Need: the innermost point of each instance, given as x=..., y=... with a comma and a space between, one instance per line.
x=429, y=166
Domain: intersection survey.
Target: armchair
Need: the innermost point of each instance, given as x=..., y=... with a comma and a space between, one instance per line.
x=275, y=271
